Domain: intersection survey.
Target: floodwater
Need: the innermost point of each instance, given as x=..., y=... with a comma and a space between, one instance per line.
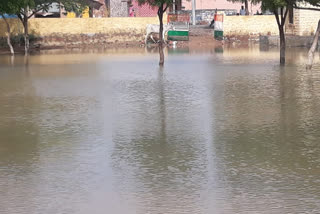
x=221, y=131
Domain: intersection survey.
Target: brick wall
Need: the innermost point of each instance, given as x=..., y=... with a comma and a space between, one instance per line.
x=144, y=10
x=305, y=22
x=218, y=4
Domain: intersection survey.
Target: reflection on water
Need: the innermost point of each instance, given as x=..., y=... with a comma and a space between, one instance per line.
x=221, y=132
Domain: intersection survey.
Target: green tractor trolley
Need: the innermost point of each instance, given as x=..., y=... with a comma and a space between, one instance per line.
x=180, y=22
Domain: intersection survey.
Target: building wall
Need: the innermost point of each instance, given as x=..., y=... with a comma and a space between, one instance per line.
x=218, y=4
x=305, y=22
x=119, y=8
x=250, y=25
x=75, y=31
x=144, y=10
x=102, y=12
x=233, y=25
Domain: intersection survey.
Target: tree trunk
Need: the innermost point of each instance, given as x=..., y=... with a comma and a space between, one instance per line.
x=281, y=22
x=313, y=47
x=160, y=16
x=282, y=46
x=26, y=35
x=9, y=35
x=246, y=7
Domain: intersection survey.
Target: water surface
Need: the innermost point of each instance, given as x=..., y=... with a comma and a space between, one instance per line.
x=225, y=131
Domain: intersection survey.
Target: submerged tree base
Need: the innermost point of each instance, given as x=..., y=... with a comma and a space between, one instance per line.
x=161, y=61
x=313, y=47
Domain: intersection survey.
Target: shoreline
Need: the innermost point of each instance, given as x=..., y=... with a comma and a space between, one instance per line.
x=199, y=38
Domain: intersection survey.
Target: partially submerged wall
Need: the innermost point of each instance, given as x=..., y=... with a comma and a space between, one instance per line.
x=291, y=41
x=60, y=32
x=250, y=25
x=77, y=31
x=305, y=24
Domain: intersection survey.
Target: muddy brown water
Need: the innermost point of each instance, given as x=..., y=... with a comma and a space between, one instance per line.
x=224, y=131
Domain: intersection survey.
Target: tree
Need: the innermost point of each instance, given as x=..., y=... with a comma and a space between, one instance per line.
x=76, y=6
x=162, y=6
x=283, y=5
x=25, y=9
x=280, y=10
x=313, y=47
x=316, y=3
x=7, y=7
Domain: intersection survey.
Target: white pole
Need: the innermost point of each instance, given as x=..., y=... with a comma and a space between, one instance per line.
x=174, y=6
x=193, y=12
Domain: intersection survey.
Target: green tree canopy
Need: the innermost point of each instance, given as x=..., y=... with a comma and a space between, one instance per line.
x=25, y=9
x=273, y=5
x=8, y=7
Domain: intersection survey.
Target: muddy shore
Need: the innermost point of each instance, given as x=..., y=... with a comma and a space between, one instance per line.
x=200, y=37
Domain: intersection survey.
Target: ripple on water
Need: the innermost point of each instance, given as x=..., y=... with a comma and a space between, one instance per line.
x=228, y=132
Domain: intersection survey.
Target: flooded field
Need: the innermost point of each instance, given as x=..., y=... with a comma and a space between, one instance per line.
x=220, y=131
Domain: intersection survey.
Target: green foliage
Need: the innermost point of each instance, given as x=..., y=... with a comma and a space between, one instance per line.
x=25, y=9
x=8, y=6
x=30, y=7
x=273, y=5
x=77, y=6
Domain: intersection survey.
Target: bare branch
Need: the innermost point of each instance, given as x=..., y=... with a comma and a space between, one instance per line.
x=285, y=15
x=20, y=17
x=295, y=6
x=165, y=8
x=305, y=8
x=277, y=17
x=158, y=11
x=39, y=9
x=313, y=47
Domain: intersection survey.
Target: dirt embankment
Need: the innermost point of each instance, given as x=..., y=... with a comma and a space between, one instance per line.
x=200, y=37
